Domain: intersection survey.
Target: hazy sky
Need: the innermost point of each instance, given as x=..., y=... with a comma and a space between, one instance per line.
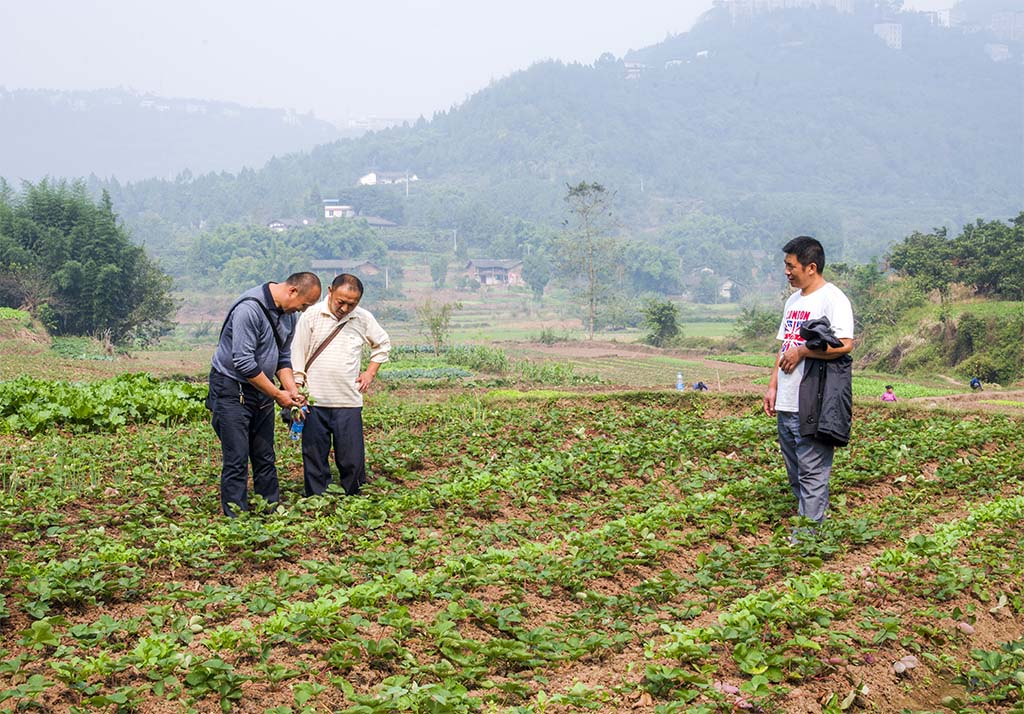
x=388, y=58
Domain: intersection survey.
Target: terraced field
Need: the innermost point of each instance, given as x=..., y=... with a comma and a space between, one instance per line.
x=519, y=552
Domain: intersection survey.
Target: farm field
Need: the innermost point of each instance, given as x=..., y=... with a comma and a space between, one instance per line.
x=592, y=548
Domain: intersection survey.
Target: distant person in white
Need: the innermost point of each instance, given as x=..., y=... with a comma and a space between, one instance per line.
x=808, y=460
x=336, y=386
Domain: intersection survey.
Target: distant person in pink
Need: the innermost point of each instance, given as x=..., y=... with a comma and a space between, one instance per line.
x=888, y=395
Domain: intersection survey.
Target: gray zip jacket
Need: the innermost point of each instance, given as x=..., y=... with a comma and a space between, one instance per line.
x=248, y=344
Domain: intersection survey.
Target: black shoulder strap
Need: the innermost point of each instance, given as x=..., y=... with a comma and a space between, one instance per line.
x=266, y=313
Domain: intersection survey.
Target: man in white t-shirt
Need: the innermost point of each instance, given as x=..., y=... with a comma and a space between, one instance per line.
x=808, y=460
x=336, y=385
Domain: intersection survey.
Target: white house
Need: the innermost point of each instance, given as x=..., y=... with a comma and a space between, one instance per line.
x=892, y=33
x=333, y=208
x=379, y=178
x=281, y=225
x=496, y=272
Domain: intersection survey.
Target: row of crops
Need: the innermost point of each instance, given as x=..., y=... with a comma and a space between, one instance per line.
x=516, y=552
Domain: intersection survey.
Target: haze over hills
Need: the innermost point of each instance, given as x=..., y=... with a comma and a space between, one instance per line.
x=799, y=120
x=131, y=136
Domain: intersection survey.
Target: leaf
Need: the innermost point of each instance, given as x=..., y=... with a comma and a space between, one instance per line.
x=41, y=634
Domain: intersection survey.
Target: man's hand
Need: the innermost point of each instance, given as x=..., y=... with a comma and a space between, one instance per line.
x=286, y=399
x=363, y=382
x=299, y=397
x=769, y=401
x=789, y=359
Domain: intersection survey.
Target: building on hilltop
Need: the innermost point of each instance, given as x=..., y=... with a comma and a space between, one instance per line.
x=892, y=33
x=633, y=70
x=333, y=208
x=747, y=9
x=286, y=224
x=383, y=178
x=496, y=272
x=337, y=266
x=378, y=222
x=1008, y=26
x=939, y=18
x=998, y=53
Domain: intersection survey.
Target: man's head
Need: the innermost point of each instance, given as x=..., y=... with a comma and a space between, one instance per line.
x=298, y=291
x=344, y=295
x=805, y=261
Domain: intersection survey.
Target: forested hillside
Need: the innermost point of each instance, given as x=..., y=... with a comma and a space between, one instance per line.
x=800, y=120
x=129, y=136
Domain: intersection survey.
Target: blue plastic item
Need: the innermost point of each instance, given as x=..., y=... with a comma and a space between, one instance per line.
x=296, y=430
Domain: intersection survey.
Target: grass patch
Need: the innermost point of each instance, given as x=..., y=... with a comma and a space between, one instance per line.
x=79, y=348
x=749, y=360
x=873, y=387
x=19, y=316
x=533, y=395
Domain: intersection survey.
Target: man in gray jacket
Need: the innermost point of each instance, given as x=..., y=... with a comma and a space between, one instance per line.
x=254, y=346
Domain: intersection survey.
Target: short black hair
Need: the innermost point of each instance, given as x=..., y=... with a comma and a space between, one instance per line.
x=349, y=280
x=807, y=250
x=304, y=281
x=888, y=386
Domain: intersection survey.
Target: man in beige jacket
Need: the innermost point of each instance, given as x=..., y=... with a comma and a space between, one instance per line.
x=335, y=384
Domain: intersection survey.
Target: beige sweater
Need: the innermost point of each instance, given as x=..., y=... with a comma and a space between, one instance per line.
x=332, y=378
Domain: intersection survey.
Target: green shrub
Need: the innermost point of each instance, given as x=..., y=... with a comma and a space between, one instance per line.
x=661, y=318
x=19, y=316
x=548, y=336
x=756, y=322
x=479, y=358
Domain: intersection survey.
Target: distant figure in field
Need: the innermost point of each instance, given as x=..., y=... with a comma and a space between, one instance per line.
x=255, y=347
x=888, y=395
x=976, y=383
x=813, y=413
x=700, y=387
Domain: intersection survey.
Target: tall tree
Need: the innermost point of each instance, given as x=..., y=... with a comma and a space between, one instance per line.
x=84, y=273
x=436, y=322
x=586, y=249
x=927, y=259
x=537, y=273
x=661, y=318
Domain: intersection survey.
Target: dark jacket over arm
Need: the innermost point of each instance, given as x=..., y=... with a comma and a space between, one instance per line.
x=826, y=400
x=826, y=390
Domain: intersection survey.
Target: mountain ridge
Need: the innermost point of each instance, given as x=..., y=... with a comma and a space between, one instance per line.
x=129, y=135
x=802, y=120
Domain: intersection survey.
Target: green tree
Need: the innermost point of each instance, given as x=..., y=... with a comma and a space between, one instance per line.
x=756, y=323
x=880, y=299
x=586, y=250
x=661, y=318
x=80, y=264
x=438, y=270
x=537, y=273
x=436, y=322
x=991, y=255
x=707, y=289
x=927, y=259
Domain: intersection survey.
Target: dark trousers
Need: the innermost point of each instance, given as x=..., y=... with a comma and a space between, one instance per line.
x=245, y=428
x=343, y=426
x=808, y=465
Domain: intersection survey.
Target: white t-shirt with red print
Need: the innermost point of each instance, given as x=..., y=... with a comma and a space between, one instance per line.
x=827, y=301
